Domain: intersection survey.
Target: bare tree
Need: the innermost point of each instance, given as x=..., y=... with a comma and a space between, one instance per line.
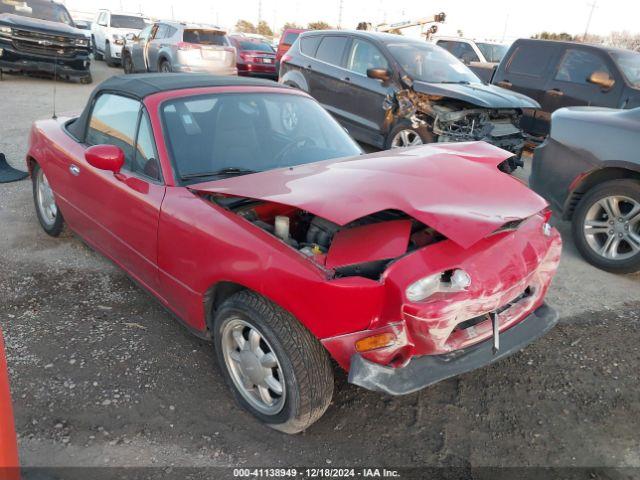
x=320, y=25
x=245, y=26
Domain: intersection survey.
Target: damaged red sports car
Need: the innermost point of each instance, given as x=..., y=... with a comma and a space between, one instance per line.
x=254, y=218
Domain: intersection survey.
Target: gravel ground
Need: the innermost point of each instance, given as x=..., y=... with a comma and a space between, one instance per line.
x=101, y=375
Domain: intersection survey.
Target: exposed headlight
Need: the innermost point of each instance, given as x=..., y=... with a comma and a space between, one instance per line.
x=453, y=281
x=118, y=39
x=81, y=42
x=5, y=30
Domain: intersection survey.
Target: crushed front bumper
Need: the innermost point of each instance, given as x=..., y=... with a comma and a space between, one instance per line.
x=423, y=371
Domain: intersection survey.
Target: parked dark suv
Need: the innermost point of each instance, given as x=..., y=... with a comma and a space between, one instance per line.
x=563, y=74
x=391, y=91
x=39, y=36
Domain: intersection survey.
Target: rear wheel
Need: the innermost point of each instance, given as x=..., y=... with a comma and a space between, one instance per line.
x=606, y=226
x=276, y=368
x=404, y=134
x=48, y=213
x=96, y=55
x=165, y=67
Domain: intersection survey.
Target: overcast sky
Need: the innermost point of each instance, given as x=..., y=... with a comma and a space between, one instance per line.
x=482, y=19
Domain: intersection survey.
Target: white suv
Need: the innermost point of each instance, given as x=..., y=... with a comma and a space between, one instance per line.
x=108, y=33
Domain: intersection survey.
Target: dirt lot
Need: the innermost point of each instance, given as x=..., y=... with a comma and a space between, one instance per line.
x=101, y=375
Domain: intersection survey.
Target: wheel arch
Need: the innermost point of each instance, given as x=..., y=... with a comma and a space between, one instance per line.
x=215, y=296
x=585, y=182
x=296, y=79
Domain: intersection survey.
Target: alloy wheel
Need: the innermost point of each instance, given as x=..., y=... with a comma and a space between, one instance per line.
x=46, y=201
x=406, y=138
x=254, y=366
x=612, y=227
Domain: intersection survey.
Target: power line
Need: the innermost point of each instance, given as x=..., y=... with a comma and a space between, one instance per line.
x=593, y=6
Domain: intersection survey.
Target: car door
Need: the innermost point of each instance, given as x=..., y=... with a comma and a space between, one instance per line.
x=152, y=50
x=99, y=33
x=570, y=86
x=363, y=97
x=325, y=74
x=526, y=71
x=122, y=209
x=138, y=47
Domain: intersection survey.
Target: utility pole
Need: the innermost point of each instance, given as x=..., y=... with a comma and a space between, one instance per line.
x=339, y=14
x=504, y=32
x=259, y=11
x=593, y=6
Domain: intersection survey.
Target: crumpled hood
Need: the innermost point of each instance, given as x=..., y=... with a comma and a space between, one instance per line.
x=480, y=94
x=454, y=188
x=45, y=26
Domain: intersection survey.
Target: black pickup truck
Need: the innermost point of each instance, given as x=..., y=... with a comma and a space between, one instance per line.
x=39, y=36
x=565, y=74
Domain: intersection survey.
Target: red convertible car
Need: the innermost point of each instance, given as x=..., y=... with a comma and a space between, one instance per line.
x=253, y=217
x=9, y=467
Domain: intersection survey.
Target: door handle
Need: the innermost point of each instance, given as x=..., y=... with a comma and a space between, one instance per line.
x=309, y=67
x=74, y=169
x=505, y=84
x=346, y=79
x=554, y=92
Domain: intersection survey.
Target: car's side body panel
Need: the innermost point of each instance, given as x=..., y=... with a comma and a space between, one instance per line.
x=9, y=466
x=584, y=142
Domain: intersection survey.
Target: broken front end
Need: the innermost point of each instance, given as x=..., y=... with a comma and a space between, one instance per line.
x=451, y=120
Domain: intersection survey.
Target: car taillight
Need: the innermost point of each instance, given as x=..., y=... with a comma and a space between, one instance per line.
x=247, y=57
x=188, y=46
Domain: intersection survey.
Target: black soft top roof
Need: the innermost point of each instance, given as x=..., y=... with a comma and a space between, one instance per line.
x=142, y=85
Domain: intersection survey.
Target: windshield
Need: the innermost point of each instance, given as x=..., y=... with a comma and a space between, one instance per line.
x=204, y=37
x=244, y=133
x=430, y=63
x=43, y=10
x=629, y=63
x=127, y=21
x=493, y=52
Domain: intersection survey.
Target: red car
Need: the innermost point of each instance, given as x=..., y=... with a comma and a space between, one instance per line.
x=252, y=215
x=255, y=57
x=8, y=445
x=289, y=36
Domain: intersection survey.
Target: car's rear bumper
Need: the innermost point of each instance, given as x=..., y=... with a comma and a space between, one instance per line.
x=210, y=69
x=423, y=371
x=15, y=61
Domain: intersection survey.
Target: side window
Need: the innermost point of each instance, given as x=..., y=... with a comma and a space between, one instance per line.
x=162, y=31
x=144, y=34
x=309, y=45
x=113, y=121
x=102, y=19
x=331, y=50
x=146, y=158
x=170, y=32
x=578, y=65
x=467, y=54
x=448, y=45
x=363, y=56
x=531, y=60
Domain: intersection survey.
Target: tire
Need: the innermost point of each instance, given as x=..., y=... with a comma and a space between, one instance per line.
x=127, y=64
x=51, y=223
x=96, y=55
x=302, y=366
x=414, y=136
x=598, y=241
x=86, y=80
x=107, y=55
x=164, y=67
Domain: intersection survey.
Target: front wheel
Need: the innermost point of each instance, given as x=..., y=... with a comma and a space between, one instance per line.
x=404, y=134
x=275, y=367
x=49, y=215
x=107, y=56
x=606, y=226
x=165, y=67
x=127, y=64
x=96, y=54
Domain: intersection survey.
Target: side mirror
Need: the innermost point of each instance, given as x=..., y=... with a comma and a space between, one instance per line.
x=105, y=157
x=602, y=79
x=379, y=74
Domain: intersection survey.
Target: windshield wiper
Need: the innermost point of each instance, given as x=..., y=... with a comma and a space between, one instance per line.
x=461, y=82
x=223, y=171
